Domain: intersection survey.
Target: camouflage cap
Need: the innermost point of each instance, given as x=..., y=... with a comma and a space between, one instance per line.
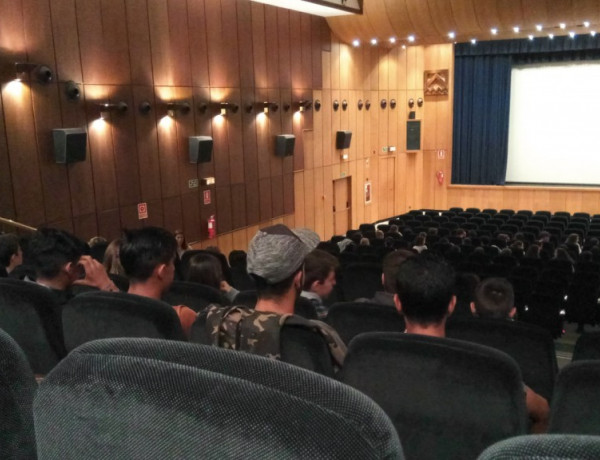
x=275, y=253
x=309, y=237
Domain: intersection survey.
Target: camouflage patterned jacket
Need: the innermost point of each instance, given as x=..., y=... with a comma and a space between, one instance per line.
x=242, y=328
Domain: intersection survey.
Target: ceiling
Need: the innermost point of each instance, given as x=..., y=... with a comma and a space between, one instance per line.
x=431, y=21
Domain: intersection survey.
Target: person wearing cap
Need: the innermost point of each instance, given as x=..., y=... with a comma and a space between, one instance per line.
x=275, y=261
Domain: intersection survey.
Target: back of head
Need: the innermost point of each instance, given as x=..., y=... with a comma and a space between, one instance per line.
x=275, y=255
x=205, y=269
x=9, y=245
x=144, y=249
x=112, y=258
x=425, y=288
x=51, y=248
x=390, y=265
x=237, y=258
x=494, y=298
x=317, y=266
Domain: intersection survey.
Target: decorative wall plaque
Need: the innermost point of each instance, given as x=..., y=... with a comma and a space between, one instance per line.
x=436, y=82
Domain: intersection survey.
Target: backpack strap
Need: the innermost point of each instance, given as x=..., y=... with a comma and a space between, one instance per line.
x=259, y=333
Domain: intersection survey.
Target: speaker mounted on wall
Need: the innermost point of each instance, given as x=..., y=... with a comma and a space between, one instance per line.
x=200, y=149
x=284, y=145
x=413, y=135
x=342, y=139
x=70, y=145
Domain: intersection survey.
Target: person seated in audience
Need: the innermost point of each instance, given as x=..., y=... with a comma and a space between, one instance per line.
x=494, y=299
x=319, y=278
x=464, y=288
x=97, y=245
x=148, y=257
x=391, y=263
x=112, y=260
x=11, y=255
x=60, y=262
x=425, y=296
x=379, y=235
x=420, y=243
x=206, y=269
x=276, y=261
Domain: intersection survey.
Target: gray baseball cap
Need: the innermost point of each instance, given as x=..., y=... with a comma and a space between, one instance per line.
x=309, y=237
x=275, y=253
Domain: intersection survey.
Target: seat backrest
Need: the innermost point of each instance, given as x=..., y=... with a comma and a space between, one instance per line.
x=350, y=319
x=574, y=408
x=530, y=346
x=587, y=346
x=544, y=446
x=156, y=399
x=194, y=295
x=31, y=316
x=447, y=398
x=17, y=388
x=360, y=280
x=98, y=315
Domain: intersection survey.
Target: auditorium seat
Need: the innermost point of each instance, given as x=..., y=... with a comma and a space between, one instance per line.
x=31, y=316
x=97, y=315
x=491, y=211
x=17, y=389
x=157, y=399
x=546, y=447
x=360, y=280
x=352, y=318
x=530, y=346
x=447, y=398
x=194, y=295
x=575, y=407
x=587, y=347
x=582, y=300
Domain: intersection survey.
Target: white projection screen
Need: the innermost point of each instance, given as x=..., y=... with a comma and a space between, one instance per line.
x=554, y=126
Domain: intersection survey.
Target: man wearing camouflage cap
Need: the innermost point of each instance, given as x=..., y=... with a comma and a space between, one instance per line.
x=276, y=262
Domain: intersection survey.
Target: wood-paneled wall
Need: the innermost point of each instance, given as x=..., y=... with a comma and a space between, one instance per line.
x=202, y=51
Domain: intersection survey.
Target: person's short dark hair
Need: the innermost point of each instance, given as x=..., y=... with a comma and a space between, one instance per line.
x=425, y=286
x=317, y=266
x=237, y=258
x=494, y=298
x=391, y=263
x=51, y=248
x=144, y=249
x=265, y=290
x=464, y=288
x=9, y=246
x=206, y=269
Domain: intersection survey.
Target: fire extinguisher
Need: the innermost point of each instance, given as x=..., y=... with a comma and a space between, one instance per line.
x=212, y=227
x=440, y=176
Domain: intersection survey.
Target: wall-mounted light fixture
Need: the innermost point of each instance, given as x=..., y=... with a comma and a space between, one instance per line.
x=107, y=107
x=228, y=107
x=177, y=107
x=144, y=107
x=420, y=102
x=72, y=91
x=317, y=105
x=392, y=103
x=42, y=73
x=360, y=104
x=336, y=105
x=411, y=103
x=367, y=104
x=344, y=105
x=267, y=106
x=383, y=103
x=221, y=108
x=303, y=105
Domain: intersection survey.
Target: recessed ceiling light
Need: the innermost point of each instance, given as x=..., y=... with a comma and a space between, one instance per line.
x=373, y=41
x=572, y=34
x=538, y=27
x=562, y=25
x=451, y=35
x=411, y=38
x=593, y=33
x=530, y=37
x=474, y=41
x=550, y=36
x=392, y=40
x=516, y=29
x=494, y=31
x=586, y=23
x=356, y=42
x=403, y=47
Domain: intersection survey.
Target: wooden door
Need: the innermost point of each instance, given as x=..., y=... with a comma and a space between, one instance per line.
x=342, y=210
x=387, y=187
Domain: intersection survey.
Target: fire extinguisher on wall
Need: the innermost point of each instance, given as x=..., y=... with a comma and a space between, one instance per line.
x=212, y=227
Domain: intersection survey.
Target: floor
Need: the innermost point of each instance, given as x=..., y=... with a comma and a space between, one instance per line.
x=564, y=345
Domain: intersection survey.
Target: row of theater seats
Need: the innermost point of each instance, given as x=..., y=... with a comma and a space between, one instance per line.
x=419, y=398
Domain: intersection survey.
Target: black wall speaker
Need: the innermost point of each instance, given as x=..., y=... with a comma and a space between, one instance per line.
x=413, y=135
x=342, y=139
x=70, y=144
x=284, y=145
x=200, y=148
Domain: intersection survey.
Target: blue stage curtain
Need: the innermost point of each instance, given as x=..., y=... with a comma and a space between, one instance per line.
x=482, y=75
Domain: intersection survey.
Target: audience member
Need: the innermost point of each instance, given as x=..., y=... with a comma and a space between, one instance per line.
x=182, y=245
x=425, y=296
x=206, y=269
x=98, y=245
x=11, y=255
x=391, y=263
x=148, y=257
x=319, y=278
x=275, y=260
x=420, y=243
x=112, y=261
x=494, y=299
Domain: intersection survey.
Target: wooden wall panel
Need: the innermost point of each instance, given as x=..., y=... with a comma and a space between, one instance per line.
x=138, y=33
x=198, y=43
x=266, y=207
x=66, y=40
x=221, y=30
x=259, y=46
x=86, y=226
x=109, y=224
x=191, y=215
x=238, y=206
x=7, y=204
x=252, y=202
x=277, y=195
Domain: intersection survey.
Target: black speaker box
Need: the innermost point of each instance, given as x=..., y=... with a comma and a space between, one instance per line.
x=342, y=139
x=413, y=135
x=200, y=148
x=70, y=145
x=284, y=145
